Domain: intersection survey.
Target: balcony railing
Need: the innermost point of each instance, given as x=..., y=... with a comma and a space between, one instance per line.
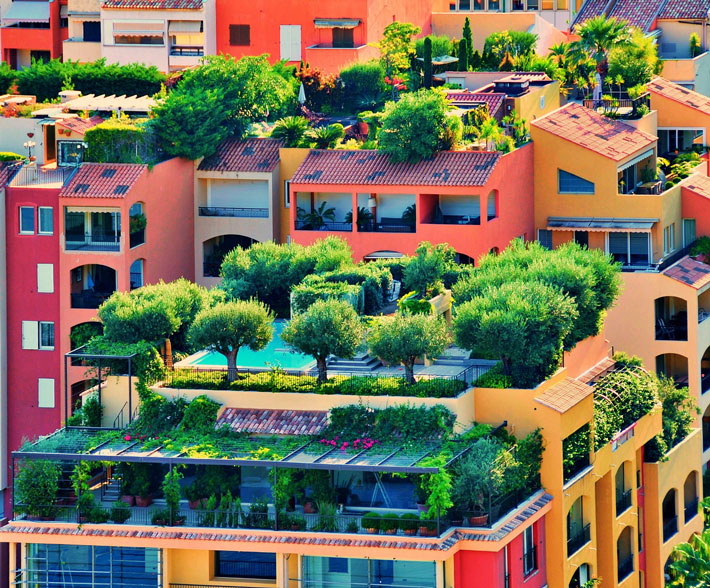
x=456, y=220
x=576, y=541
x=386, y=227
x=136, y=238
x=670, y=528
x=93, y=243
x=691, y=510
x=623, y=502
x=187, y=51
x=626, y=567
x=668, y=330
x=530, y=561
x=339, y=227
x=88, y=299
x=234, y=212
x=31, y=175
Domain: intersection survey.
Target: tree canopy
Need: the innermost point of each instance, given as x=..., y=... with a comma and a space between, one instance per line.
x=396, y=46
x=424, y=272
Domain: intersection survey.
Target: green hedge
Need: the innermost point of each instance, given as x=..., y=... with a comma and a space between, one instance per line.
x=280, y=382
x=7, y=77
x=315, y=288
x=121, y=141
x=10, y=156
x=376, y=282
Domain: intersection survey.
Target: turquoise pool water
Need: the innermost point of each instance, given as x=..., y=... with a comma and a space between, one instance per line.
x=276, y=353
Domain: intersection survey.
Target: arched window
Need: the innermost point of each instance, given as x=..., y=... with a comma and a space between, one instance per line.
x=136, y=274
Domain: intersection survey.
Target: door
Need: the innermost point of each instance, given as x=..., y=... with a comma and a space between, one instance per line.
x=291, y=42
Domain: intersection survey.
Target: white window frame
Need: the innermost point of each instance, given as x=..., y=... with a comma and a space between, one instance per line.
x=676, y=129
x=45, y=278
x=45, y=393
x=287, y=193
x=40, y=231
x=39, y=336
x=529, y=545
x=649, y=241
x=34, y=220
x=290, y=52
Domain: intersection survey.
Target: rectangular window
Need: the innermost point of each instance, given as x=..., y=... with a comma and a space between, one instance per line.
x=45, y=278
x=629, y=248
x=529, y=551
x=27, y=220
x=46, y=220
x=571, y=184
x=239, y=35
x=689, y=234
x=544, y=237
x=669, y=238
x=145, y=32
x=343, y=38
x=337, y=565
x=374, y=572
x=45, y=392
x=245, y=564
x=46, y=336
x=92, y=31
x=30, y=335
x=287, y=194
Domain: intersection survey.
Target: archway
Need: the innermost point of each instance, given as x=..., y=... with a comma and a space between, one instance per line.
x=690, y=497
x=622, y=482
x=214, y=251
x=671, y=319
x=580, y=577
x=625, y=554
x=578, y=530
x=136, y=225
x=136, y=273
x=670, y=515
x=674, y=366
x=705, y=372
x=91, y=284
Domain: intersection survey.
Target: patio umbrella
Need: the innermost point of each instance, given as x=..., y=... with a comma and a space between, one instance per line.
x=597, y=95
x=301, y=95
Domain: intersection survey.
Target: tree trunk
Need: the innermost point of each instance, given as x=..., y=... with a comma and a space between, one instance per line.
x=507, y=367
x=409, y=371
x=322, y=370
x=232, y=371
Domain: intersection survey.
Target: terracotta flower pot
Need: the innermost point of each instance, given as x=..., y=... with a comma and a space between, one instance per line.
x=363, y=128
x=410, y=532
x=144, y=501
x=129, y=500
x=427, y=532
x=478, y=521
x=197, y=504
x=391, y=532
x=373, y=531
x=308, y=508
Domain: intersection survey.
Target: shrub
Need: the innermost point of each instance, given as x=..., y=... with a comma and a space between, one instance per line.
x=375, y=280
x=7, y=77
x=36, y=487
x=440, y=45
x=364, y=84
x=701, y=248
x=10, y=156
x=122, y=140
x=575, y=451
x=200, y=415
x=494, y=378
x=411, y=304
x=315, y=288
x=408, y=522
x=120, y=512
x=679, y=410
x=42, y=79
x=324, y=91
x=98, y=515
x=389, y=522
x=425, y=270
x=371, y=521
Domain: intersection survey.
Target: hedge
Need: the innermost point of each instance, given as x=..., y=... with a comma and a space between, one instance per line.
x=376, y=282
x=7, y=77
x=122, y=141
x=10, y=156
x=315, y=288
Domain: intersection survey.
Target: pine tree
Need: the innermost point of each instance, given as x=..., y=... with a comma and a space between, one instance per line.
x=427, y=63
x=463, y=55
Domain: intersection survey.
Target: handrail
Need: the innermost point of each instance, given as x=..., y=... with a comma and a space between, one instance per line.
x=118, y=421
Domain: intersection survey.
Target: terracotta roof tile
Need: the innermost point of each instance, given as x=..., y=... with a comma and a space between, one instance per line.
x=154, y=4
x=493, y=100
x=639, y=13
x=699, y=184
x=364, y=167
x=605, y=366
x=103, y=180
x=590, y=9
x=273, y=422
x=591, y=130
x=690, y=271
x=79, y=125
x=563, y=396
x=249, y=155
x=672, y=91
x=677, y=9
x=7, y=170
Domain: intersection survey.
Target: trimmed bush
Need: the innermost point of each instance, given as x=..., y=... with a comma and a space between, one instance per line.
x=315, y=288
x=7, y=77
x=375, y=280
x=364, y=84
x=371, y=520
x=122, y=141
x=10, y=156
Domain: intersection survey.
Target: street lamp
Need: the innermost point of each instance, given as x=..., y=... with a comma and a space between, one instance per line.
x=29, y=145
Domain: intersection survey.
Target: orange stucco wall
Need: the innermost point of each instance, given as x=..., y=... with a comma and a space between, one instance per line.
x=674, y=114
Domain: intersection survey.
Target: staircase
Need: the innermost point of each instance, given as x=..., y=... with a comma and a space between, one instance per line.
x=111, y=490
x=454, y=356
x=362, y=363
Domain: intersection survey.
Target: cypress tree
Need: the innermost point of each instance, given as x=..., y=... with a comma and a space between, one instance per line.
x=463, y=55
x=469, y=38
x=427, y=63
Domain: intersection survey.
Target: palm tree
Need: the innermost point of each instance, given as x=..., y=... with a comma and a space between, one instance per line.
x=326, y=137
x=317, y=218
x=490, y=132
x=364, y=217
x=598, y=36
x=691, y=568
x=560, y=53
x=291, y=129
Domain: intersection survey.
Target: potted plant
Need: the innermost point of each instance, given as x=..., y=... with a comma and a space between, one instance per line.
x=207, y=518
x=352, y=527
x=120, y=512
x=389, y=523
x=327, y=517
x=420, y=493
x=316, y=219
x=195, y=495
x=171, y=492
x=364, y=217
x=98, y=515
x=137, y=222
x=409, y=522
x=85, y=503
x=427, y=526
x=362, y=127
x=127, y=476
x=297, y=522
x=36, y=488
x=142, y=485
x=371, y=522
x=161, y=517
x=474, y=481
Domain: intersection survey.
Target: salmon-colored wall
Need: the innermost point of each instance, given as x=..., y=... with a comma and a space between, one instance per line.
x=674, y=114
x=265, y=18
x=511, y=178
x=36, y=39
x=697, y=207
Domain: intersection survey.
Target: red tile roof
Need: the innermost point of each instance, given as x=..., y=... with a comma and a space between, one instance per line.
x=7, y=170
x=563, y=396
x=364, y=167
x=677, y=9
x=590, y=9
x=691, y=272
x=605, y=366
x=673, y=91
x=699, y=184
x=79, y=125
x=154, y=4
x=593, y=131
x=273, y=422
x=103, y=180
x=493, y=100
x=249, y=155
x=639, y=13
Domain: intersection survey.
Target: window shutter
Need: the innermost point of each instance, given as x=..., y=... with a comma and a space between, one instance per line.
x=45, y=392
x=30, y=335
x=239, y=35
x=45, y=278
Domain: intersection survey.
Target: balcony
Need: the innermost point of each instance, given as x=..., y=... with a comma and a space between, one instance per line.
x=690, y=511
x=623, y=502
x=303, y=225
x=578, y=539
x=88, y=230
x=95, y=242
x=386, y=225
x=670, y=528
x=234, y=212
x=626, y=567
x=181, y=51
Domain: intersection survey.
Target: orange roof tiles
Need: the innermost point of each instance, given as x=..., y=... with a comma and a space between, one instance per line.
x=590, y=9
x=638, y=13
x=699, y=184
x=672, y=91
x=563, y=396
x=273, y=422
x=103, y=180
x=249, y=155
x=691, y=272
x=591, y=130
x=79, y=125
x=605, y=366
x=365, y=167
x=7, y=170
x=154, y=4
x=494, y=101
x=677, y=9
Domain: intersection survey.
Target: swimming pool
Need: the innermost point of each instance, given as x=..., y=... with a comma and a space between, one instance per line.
x=275, y=354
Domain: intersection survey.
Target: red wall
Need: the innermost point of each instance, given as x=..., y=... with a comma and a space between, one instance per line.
x=266, y=16
x=36, y=39
x=697, y=207
x=24, y=252
x=512, y=178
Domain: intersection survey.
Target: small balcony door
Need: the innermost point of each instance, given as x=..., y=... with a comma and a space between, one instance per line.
x=291, y=42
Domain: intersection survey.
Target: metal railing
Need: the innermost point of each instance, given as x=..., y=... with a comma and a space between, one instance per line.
x=372, y=227
x=136, y=238
x=94, y=243
x=623, y=502
x=187, y=51
x=626, y=567
x=234, y=212
x=691, y=510
x=258, y=570
x=340, y=227
x=31, y=175
x=530, y=561
x=670, y=528
x=576, y=541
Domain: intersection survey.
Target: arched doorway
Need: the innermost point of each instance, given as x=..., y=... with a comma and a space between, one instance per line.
x=580, y=577
x=578, y=529
x=625, y=554
x=622, y=482
x=136, y=273
x=690, y=497
x=214, y=251
x=671, y=319
x=705, y=371
x=91, y=284
x=670, y=515
x=674, y=366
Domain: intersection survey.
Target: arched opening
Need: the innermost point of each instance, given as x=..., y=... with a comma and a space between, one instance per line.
x=706, y=429
x=494, y=251
x=492, y=204
x=690, y=497
x=673, y=366
x=78, y=388
x=705, y=371
x=463, y=259
x=578, y=530
x=622, y=481
x=136, y=273
x=91, y=285
x=671, y=319
x=625, y=554
x=136, y=225
x=580, y=577
x=670, y=515
x=214, y=250
x=82, y=333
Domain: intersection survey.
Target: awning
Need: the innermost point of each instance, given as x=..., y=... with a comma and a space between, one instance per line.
x=27, y=12
x=336, y=23
x=384, y=255
x=155, y=26
x=606, y=225
x=635, y=160
x=184, y=26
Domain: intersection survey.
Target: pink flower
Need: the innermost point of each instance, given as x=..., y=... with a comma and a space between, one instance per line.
x=345, y=444
x=157, y=438
x=127, y=437
x=332, y=443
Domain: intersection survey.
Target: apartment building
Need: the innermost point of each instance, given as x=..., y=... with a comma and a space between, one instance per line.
x=32, y=29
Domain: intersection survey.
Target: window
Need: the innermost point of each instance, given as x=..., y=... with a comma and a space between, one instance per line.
x=544, y=237
x=629, y=248
x=30, y=335
x=45, y=278
x=239, y=35
x=689, y=233
x=27, y=220
x=245, y=564
x=46, y=336
x=581, y=238
x=45, y=392
x=92, y=31
x=529, y=551
x=46, y=220
x=146, y=32
x=287, y=194
x=70, y=152
x=337, y=565
x=570, y=184
x=343, y=38
x=669, y=238
x=136, y=274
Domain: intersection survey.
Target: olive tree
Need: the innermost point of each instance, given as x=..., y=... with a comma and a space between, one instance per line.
x=401, y=338
x=228, y=326
x=327, y=327
x=424, y=272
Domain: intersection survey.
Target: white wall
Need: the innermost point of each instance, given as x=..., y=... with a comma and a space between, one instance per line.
x=342, y=202
x=13, y=134
x=393, y=205
x=238, y=193
x=460, y=205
